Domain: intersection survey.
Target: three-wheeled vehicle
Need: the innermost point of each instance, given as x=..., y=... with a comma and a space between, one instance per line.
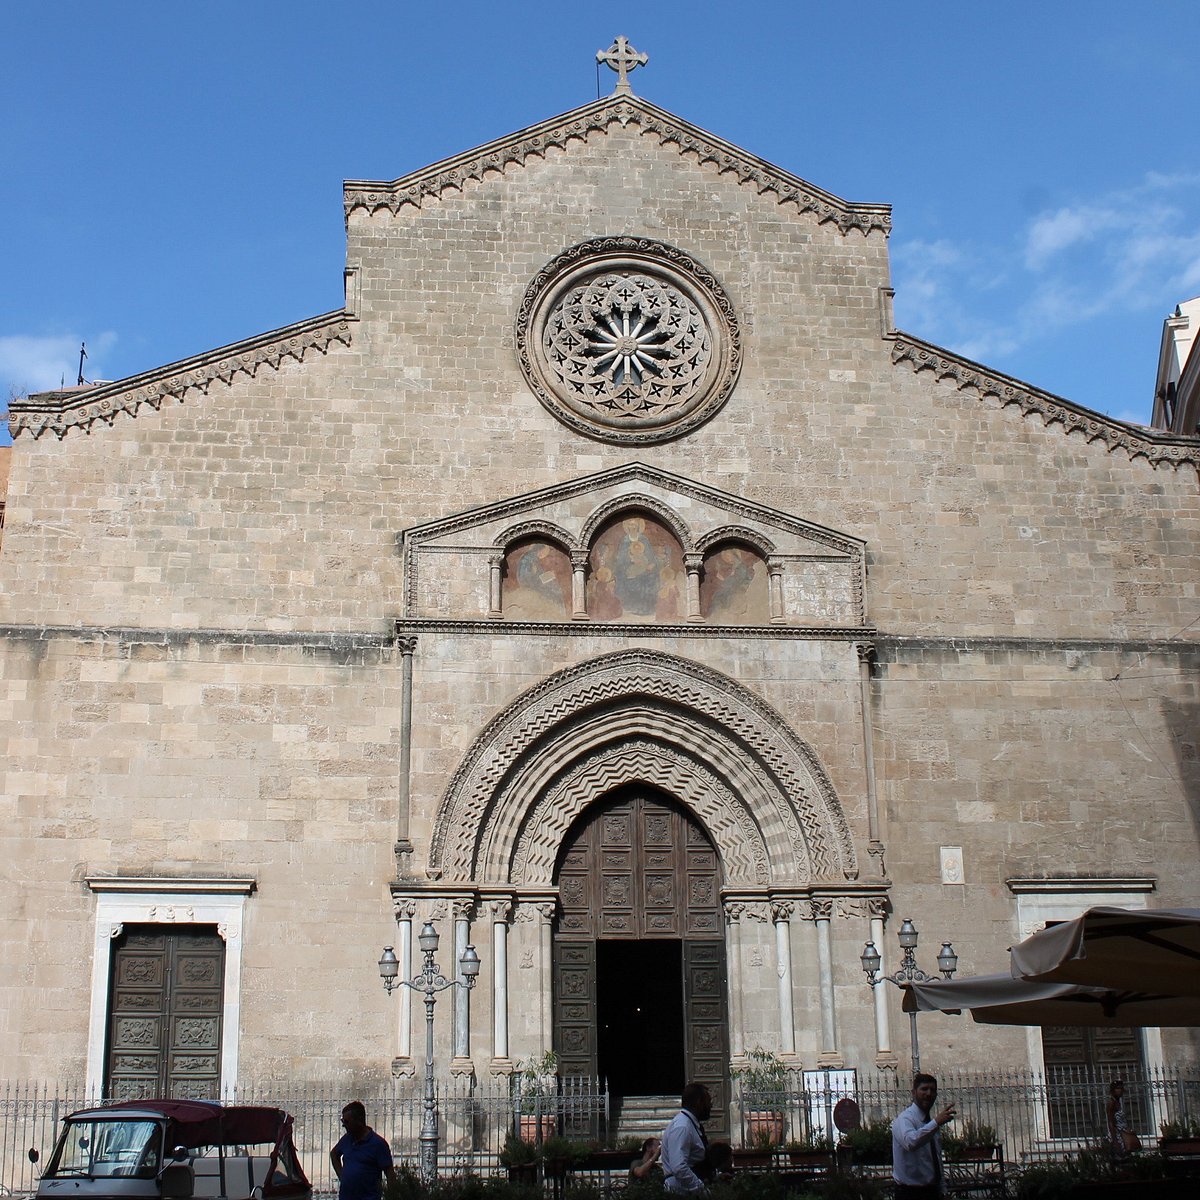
x=173, y=1150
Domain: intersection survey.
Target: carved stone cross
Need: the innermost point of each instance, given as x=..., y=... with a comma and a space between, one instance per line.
x=623, y=58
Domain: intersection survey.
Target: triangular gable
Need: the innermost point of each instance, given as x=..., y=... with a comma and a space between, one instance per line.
x=690, y=140
x=1156, y=447
x=449, y=561
x=79, y=408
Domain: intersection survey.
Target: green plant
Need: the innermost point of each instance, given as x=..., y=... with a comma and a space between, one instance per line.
x=535, y=1081
x=763, y=1079
x=1184, y=1127
x=815, y=1143
x=561, y=1153
x=871, y=1142
x=970, y=1134
x=516, y=1152
x=630, y=1143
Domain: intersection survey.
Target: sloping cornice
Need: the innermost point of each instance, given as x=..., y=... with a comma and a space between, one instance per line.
x=1156, y=447
x=516, y=148
x=59, y=412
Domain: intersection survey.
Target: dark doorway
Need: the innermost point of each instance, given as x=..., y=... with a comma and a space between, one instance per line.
x=639, y=998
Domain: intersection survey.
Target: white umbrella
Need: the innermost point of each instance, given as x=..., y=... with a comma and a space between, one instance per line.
x=1146, y=950
x=1003, y=1000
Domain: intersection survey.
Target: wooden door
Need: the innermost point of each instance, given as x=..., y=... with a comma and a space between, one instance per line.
x=1080, y=1064
x=638, y=867
x=164, y=1028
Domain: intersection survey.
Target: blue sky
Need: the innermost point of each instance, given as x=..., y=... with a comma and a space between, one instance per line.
x=170, y=174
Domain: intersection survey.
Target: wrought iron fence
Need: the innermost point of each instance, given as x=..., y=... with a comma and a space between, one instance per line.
x=1034, y=1116
x=475, y=1117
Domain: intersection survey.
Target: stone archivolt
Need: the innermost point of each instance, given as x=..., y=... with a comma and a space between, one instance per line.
x=662, y=710
x=453, y=174
x=59, y=412
x=1158, y=449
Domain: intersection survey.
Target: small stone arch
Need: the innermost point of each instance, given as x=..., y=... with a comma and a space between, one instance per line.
x=534, y=529
x=633, y=504
x=757, y=787
x=736, y=533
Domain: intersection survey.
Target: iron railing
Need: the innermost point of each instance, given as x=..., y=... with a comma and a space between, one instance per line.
x=1034, y=1116
x=475, y=1117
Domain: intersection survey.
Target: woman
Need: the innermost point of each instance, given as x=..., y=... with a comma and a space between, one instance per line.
x=644, y=1167
x=1121, y=1138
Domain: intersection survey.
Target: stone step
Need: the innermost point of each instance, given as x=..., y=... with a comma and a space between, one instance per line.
x=645, y=1116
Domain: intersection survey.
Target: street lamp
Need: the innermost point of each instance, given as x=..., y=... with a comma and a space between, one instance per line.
x=429, y=981
x=908, y=972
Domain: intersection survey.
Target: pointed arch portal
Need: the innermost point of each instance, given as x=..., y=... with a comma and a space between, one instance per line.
x=641, y=715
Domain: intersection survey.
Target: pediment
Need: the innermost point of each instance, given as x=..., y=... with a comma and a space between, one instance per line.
x=690, y=141
x=455, y=567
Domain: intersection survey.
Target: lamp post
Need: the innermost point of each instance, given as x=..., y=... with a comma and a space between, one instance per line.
x=429, y=981
x=908, y=973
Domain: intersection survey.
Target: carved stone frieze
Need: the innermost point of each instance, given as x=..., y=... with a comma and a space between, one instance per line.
x=627, y=111
x=1157, y=448
x=60, y=412
x=585, y=704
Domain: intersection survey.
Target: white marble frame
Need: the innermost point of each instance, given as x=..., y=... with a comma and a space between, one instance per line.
x=1039, y=901
x=119, y=902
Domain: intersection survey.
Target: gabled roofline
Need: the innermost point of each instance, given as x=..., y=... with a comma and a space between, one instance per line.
x=58, y=412
x=513, y=150
x=1156, y=447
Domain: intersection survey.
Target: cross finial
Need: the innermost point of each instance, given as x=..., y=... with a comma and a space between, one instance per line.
x=623, y=58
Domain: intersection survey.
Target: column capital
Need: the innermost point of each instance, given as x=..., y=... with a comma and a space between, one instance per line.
x=693, y=560
x=463, y=907
x=500, y=910
x=407, y=645
x=782, y=910
x=405, y=907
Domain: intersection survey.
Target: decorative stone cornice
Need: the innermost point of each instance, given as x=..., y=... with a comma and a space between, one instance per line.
x=452, y=174
x=60, y=411
x=1156, y=447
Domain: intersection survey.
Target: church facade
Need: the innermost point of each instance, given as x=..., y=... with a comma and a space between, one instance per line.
x=610, y=583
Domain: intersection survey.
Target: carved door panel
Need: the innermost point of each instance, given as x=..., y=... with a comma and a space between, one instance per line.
x=575, y=1007
x=164, y=1030
x=1079, y=1055
x=705, y=1025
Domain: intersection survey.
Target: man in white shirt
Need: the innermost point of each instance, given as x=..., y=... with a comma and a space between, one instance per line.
x=917, y=1144
x=684, y=1146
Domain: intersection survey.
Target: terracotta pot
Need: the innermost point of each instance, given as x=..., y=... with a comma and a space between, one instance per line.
x=764, y=1125
x=528, y=1127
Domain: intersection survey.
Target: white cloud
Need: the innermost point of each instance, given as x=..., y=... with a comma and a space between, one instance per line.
x=33, y=363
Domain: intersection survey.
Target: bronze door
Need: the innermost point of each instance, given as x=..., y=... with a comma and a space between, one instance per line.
x=639, y=957
x=164, y=1027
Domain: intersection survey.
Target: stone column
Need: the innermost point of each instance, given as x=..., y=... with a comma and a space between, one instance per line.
x=734, y=912
x=829, y=1056
x=403, y=848
x=405, y=910
x=775, y=588
x=884, y=1057
x=866, y=657
x=463, y=908
x=545, y=912
x=495, y=571
x=692, y=563
x=781, y=914
x=500, y=911
x=579, y=565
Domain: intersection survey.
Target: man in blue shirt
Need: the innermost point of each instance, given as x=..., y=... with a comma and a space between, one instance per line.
x=684, y=1146
x=917, y=1144
x=361, y=1159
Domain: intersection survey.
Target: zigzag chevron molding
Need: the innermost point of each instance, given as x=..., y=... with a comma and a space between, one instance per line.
x=1158, y=449
x=60, y=412
x=533, y=142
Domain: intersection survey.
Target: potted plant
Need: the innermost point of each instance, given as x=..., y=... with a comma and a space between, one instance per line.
x=870, y=1143
x=560, y=1154
x=815, y=1153
x=759, y=1150
x=1179, y=1137
x=535, y=1092
x=763, y=1081
x=520, y=1158
x=973, y=1141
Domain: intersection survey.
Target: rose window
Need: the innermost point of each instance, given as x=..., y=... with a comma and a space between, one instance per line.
x=628, y=340
x=628, y=345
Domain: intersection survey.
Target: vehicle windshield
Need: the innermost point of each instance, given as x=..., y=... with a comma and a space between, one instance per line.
x=108, y=1148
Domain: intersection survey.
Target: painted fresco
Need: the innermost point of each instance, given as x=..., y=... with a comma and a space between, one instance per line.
x=536, y=584
x=636, y=572
x=733, y=587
